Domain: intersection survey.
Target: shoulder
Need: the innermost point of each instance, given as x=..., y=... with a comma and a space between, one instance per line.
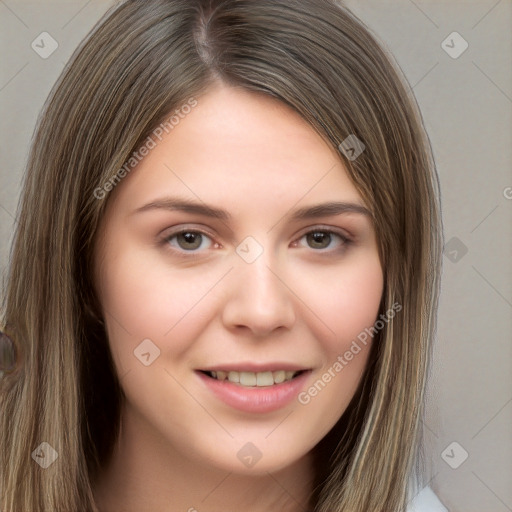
x=426, y=501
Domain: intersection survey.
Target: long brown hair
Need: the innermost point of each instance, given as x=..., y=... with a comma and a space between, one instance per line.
x=143, y=60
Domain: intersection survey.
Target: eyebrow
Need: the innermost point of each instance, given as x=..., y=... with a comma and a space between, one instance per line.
x=309, y=212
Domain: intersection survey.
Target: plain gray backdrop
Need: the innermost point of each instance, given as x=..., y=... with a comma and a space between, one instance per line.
x=465, y=95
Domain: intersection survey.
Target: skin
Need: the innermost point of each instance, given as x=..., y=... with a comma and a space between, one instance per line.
x=297, y=302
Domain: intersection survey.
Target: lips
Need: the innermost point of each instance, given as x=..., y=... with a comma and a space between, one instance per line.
x=254, y=398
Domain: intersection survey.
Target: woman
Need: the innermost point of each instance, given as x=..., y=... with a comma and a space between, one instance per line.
x=278, y=362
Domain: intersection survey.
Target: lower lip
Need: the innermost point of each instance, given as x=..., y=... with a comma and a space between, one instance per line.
x=256, y=399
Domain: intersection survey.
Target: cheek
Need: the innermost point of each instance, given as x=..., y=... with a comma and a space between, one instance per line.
x=349, y=306
x=146, y=299
x=346, y=299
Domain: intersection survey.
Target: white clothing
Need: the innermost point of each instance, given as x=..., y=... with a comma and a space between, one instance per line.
x=426, y=501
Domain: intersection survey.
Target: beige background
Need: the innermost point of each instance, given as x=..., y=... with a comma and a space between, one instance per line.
x=467, y=105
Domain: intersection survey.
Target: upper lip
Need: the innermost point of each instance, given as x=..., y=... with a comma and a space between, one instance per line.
x=255, y=367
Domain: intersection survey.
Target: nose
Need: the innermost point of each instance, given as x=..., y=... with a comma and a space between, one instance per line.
x=259, y=299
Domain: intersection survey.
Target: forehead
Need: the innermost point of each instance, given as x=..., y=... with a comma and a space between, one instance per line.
x=241, y=148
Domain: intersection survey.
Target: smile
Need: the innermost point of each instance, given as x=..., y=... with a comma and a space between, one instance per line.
x=255, y=392
x=254, y=379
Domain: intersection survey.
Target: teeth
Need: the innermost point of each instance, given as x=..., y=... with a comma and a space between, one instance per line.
x=251, y=379
x=234, y=377
x=264, y=379
x=279, y=376
x=248, y=378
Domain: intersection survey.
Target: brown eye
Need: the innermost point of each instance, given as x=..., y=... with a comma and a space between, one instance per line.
x=323, y=238
x=318, y=239
x=187, y=240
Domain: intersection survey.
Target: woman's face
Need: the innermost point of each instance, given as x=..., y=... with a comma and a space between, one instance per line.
x=249, y=289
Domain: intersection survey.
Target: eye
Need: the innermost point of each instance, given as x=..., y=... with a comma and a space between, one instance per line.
x=192, y=241
x=187, y=240
x=322, y=239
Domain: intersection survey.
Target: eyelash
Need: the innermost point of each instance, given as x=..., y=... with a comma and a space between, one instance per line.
x=345, y=241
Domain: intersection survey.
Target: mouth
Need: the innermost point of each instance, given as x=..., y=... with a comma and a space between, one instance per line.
x=254, y=379
x=270, y=389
